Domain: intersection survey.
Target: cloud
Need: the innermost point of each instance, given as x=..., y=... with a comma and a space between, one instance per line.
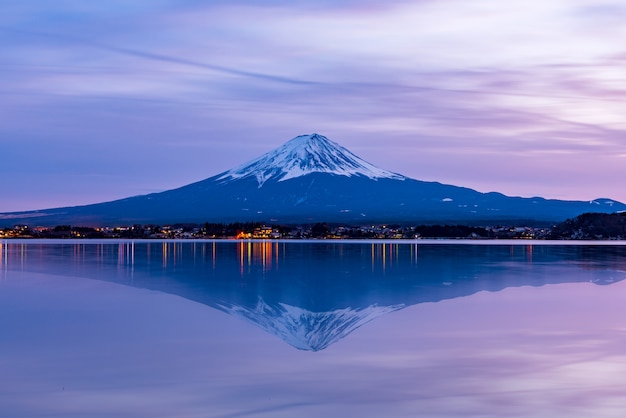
x=436, y=79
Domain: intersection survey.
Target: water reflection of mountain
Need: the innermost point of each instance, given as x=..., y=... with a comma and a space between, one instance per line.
x=314, y=294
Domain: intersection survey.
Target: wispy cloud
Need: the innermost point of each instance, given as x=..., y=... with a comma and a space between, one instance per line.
x=439, y=80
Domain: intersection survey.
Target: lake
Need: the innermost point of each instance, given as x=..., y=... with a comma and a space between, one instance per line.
x=310, y=329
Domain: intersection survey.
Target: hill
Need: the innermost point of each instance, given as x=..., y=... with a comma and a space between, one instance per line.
x=592, y=226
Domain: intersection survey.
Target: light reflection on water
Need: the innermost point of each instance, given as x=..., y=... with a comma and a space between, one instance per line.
x=401, y=328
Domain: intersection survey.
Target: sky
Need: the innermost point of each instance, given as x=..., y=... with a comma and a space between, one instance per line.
x=105, y=100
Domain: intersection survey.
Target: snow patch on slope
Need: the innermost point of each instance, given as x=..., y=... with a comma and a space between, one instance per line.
x=306, y=154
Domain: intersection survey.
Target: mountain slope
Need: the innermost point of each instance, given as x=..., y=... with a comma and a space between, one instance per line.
x=312, y=179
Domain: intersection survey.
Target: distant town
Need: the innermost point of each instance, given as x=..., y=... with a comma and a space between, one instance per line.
x=597, y=226
x=255, y=230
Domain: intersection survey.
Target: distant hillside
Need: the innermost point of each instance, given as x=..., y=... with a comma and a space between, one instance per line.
x=592, y=226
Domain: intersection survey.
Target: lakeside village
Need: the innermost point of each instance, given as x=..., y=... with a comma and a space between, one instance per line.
x=594, y=226
x=254, y=230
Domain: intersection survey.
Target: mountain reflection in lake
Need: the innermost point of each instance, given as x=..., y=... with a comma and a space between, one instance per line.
x=314, y=296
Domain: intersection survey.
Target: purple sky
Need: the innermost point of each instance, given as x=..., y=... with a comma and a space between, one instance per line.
x=104, y=100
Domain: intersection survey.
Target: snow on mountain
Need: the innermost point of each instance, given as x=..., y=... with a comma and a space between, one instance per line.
x=306, y=330
x=303, y=155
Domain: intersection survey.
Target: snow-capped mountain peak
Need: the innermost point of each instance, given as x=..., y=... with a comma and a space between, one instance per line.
x=306, y=154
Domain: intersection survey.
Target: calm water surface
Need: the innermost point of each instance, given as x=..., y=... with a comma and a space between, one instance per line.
x=301, y=329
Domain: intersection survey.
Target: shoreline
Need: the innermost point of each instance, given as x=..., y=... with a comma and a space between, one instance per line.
x=399, y=241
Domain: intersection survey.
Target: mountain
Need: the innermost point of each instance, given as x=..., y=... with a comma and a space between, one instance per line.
x=313, y=179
